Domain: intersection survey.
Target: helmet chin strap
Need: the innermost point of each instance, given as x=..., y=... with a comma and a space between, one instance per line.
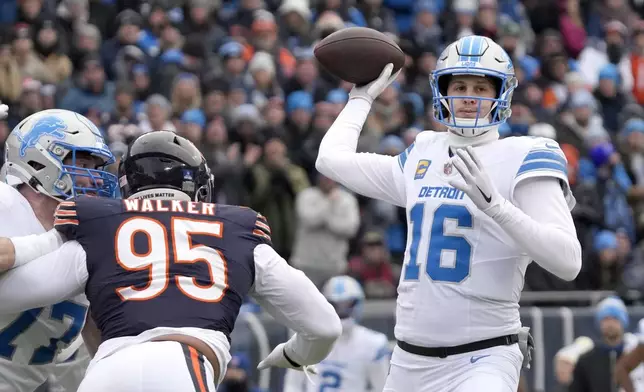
x=161, y=194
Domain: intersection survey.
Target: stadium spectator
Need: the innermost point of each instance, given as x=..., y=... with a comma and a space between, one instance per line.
x=593, y=371
x=327, y=218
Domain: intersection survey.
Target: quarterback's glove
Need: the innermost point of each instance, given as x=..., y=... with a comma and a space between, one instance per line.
x=279, y=358
x=477, y=185
x=4, y=111
x=371, y=91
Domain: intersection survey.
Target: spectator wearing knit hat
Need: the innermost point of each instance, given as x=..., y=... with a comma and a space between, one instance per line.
x=603, y=268
x=274, y=185
x=91, y=89
x=129, y=24
x=31, y=65
x=611, y=97
x=612, y=50
x=157, y=113
x=262, y=79
x=264, y=37
x=295, y=27
x=193, y=123
x=86, y=39
x=299, y=112
x=594, y=369
x=51, y=47
x=581, y=125
x=306, y=75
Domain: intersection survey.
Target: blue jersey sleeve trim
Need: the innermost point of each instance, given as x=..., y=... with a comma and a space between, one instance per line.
x=402, y=157
x=545, y=155
x=542, y=166
x=543, y=160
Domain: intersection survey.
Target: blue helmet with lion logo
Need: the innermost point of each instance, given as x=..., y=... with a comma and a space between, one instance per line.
x=50, y=151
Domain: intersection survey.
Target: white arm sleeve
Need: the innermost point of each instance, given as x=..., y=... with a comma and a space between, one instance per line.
x=372, y=175
x=47, y=280
x=542, y=225
x=293, y=300
x=33, y=246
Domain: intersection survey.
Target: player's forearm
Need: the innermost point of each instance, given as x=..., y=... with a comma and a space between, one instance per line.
x=368, y=174
x=17, y=251
x=341, y=140
x=7, y=254
x=553, y=248
x=293, y=300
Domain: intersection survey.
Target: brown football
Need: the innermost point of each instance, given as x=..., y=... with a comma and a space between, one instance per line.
x=358, y=54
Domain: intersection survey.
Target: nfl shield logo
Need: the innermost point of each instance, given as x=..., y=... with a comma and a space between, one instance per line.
x=447, y=168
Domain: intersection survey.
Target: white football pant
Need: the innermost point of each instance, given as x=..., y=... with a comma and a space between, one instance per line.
x=494, y=369
x=151, y=367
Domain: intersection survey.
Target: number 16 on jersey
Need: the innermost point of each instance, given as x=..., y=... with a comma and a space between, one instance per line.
x=440, y=242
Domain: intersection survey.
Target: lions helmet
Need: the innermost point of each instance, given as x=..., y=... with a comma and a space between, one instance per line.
x=346, y=296
x=164, y=165
x=42, y=152
x=478, y=56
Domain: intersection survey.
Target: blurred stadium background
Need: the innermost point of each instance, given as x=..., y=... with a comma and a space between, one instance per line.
x=239, y=79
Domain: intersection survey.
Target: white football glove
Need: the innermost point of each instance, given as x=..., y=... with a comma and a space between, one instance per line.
x=4, y=111
x=371, y=91
x=278, y=358
x=477, y=185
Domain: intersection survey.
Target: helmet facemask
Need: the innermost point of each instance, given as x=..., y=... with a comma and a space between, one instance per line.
x=443, y=104
x=101, y=182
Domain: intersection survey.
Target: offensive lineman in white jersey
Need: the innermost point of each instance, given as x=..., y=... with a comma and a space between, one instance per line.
x=479, y=210
x=359, y=360
x=50, y=156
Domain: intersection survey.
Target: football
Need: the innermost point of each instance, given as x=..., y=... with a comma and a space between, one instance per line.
x=358, y=54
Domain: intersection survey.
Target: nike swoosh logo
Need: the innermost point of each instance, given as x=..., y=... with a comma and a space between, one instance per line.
x=476, y=358
x=552, y=146
x=486, y=197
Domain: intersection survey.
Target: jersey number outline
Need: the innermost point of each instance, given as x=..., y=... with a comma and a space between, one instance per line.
x=439, y=242
x=43, y=355
x=330, y=380
x=157, y=260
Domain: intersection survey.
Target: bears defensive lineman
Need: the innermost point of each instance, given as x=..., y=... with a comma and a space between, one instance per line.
x=166, y=273
x=50, y=156
x=479, y=210
x=359, y=360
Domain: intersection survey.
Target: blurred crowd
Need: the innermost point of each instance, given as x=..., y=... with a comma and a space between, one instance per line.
x=240, y=80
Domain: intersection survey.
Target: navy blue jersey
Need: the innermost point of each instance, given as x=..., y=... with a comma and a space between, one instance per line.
x=162, y=263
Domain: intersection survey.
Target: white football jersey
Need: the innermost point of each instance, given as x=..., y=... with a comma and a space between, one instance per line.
x=462, y=275
x=30, y=341
x=358, y=362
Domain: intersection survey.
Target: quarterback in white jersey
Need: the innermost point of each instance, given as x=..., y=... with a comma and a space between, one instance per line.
x=50, y=156
x=359, y=360
x=479, y=209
